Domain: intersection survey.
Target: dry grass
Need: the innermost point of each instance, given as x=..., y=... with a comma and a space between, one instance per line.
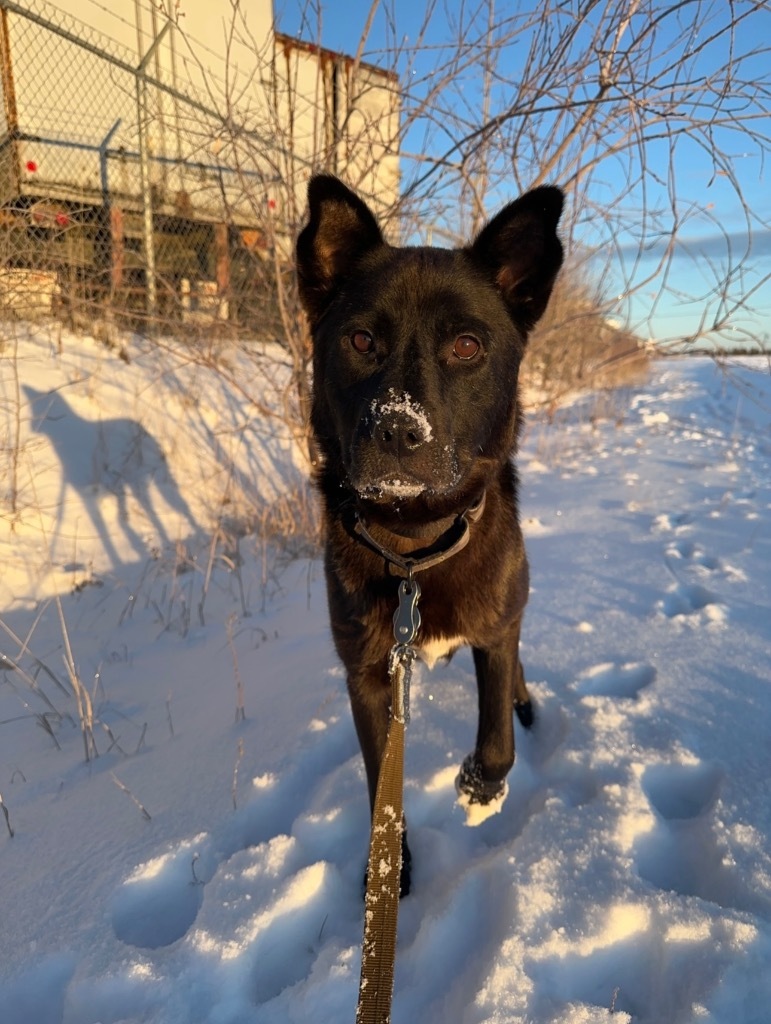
x=578, y=347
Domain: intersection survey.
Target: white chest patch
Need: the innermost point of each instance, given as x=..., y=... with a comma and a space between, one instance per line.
x=439, y=647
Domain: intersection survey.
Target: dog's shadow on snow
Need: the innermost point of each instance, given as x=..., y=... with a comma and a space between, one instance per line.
x=107, y=460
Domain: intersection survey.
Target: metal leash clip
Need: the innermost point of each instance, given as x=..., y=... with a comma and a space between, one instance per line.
x=400, y=662
x=407, y=616
x=406, y=626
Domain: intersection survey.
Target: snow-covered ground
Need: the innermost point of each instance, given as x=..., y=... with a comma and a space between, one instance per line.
x=203, y=869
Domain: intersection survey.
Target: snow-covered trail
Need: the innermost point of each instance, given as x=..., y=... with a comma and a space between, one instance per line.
x=629, y=873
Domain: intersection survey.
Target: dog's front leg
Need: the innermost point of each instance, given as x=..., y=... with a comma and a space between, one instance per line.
x=483, y=774
x=501, y=686
x=370, y=697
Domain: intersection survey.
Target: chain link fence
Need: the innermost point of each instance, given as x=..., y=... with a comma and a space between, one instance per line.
x=121, y=189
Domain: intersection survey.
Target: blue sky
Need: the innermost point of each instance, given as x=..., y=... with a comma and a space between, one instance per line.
x=717, y=224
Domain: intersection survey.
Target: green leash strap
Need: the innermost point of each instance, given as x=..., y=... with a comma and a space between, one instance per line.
x=381, y=903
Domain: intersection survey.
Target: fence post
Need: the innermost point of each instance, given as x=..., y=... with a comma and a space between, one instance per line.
x=144, y=177
x=117, y=251
x=222, y=254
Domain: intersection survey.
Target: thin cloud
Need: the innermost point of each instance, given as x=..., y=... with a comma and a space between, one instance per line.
x=712, y=246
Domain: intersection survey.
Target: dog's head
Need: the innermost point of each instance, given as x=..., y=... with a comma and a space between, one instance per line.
x=417, y=350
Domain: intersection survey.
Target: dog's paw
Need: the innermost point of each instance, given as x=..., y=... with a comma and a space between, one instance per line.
x=405, y=878
x=478, y=797
x=525, y=713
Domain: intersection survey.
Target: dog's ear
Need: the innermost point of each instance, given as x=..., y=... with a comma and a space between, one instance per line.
x=520, y=249
x=340, y=230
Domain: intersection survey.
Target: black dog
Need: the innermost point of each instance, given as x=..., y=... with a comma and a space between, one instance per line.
x=415, y=412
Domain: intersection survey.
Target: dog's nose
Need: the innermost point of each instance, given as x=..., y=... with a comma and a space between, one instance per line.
x=397, y=437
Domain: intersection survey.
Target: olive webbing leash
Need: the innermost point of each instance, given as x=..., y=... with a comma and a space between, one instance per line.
x=381, y=903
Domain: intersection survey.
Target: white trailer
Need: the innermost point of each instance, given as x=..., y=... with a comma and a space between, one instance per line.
x=145, y=151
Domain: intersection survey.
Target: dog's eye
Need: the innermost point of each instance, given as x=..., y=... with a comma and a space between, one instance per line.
x=465, y=347
x=362, y=341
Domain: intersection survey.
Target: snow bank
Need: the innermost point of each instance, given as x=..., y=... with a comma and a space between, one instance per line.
x=628, y=873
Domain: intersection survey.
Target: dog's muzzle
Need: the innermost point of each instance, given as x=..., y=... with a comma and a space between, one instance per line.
x=396, y=453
